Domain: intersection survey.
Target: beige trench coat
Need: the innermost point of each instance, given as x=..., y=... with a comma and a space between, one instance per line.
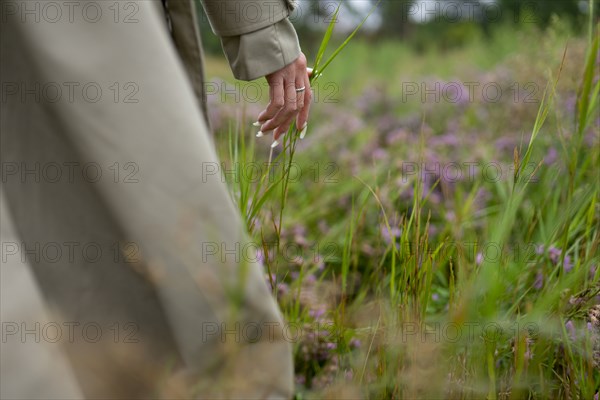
x=122, y=275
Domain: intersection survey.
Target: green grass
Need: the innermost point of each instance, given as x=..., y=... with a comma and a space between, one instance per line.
x=466, y=288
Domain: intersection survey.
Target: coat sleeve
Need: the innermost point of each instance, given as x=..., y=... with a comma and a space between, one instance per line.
x=257, y=36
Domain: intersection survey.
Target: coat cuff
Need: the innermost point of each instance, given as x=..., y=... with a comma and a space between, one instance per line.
x=259, y=53
x=238, y=17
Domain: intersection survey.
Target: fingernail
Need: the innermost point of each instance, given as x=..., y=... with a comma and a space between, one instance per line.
x=309, y=70
x=303, y=131
x=261, y=133
x=256, y=123
x=274, y=144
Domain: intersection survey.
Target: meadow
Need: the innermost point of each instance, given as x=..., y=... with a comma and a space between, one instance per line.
x=436, y=233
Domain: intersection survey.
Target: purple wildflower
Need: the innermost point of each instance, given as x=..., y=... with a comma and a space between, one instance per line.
x=479, y=258
x=349, y=374
x=539, y=249
x=397, y=136
x=567, y=264
x=379, y=154
x=551, y=156
x=300, y=235
x=505, y=143
x=570, y=327
x=388, y=234
x=481, y=198
x=270, y=278
x=386, y=123
x=261, y=256
x=317, y=313
x=554, y=254
x=456, y=92
x=571, y=103
x=320, y=262
x=282, y=289
x=539, y=280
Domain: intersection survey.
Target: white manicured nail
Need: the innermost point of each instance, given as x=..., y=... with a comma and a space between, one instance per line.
x=274, y=144
x=303, y=131
x=261, y=133
x=256, y=123
x=309, y=70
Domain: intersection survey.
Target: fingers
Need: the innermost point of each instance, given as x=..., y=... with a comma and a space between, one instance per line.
x=300, y=95
x=300, y=84
x=276, y=101
x=286, y=113
x=286, y=103
x=289, y=112
x=302, y=119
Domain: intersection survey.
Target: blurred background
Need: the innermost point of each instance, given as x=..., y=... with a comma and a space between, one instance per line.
x=422, y=24
x=448, y=179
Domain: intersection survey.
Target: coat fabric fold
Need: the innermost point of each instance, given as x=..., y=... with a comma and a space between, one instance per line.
x=132, y=245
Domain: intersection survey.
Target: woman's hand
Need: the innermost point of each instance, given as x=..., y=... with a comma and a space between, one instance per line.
x=290, y=96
